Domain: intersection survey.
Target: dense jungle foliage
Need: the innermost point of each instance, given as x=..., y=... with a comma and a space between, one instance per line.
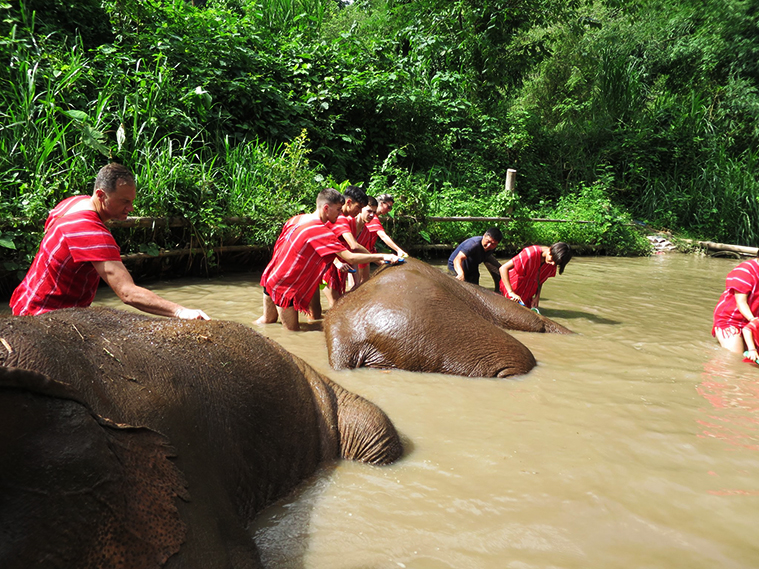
x=610, y=111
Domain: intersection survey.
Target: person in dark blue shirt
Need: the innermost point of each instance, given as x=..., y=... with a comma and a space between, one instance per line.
x=464, y=262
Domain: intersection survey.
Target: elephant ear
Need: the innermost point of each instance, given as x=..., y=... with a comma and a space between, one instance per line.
x=77, y=490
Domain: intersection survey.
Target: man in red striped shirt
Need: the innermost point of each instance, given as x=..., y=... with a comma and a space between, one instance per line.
x=77, y=250
x=303, y=251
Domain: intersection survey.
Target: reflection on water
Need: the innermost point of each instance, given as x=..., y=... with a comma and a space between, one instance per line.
x=632, y=444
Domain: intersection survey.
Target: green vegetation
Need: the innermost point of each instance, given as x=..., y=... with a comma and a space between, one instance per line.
x=610, y=111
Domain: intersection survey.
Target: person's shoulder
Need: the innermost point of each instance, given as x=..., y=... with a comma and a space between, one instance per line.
x=375, y=225
x=69, y=206
x=533, y=250
x=749, y=266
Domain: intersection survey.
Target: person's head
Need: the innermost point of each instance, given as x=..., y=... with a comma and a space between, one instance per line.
x=355, y=200
x=384, y=204
x=369, y=210
x=329, y=202
x=114, y=192
x=560, y=254
x=491, y=239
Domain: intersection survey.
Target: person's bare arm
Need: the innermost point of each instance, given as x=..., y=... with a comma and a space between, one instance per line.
x=748, y=338
x=536, y=298
x=741, y=301
x=458, y=267
x=353, y=244
x=115, y=274
x=354, y=258
x=504, y=272
x=390, y=243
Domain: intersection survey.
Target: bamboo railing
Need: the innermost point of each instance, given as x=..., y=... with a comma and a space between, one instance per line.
x=174, y=222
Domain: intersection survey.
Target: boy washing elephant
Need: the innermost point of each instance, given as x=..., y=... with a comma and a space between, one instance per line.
x=304, y=250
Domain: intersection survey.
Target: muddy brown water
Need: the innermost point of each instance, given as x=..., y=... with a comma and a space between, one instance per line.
x=634, y=443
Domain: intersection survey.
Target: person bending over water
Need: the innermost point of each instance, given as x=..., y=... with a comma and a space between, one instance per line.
x=303, y=251
x=522, y=277
x=737, y=306
x=464, y=262
x=77, y=251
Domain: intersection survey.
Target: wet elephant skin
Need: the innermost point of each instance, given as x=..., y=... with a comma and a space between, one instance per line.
x=415, y=317
x=136, y=442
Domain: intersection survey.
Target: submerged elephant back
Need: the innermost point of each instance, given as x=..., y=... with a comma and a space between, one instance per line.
x=491, y=306
x=411, y=317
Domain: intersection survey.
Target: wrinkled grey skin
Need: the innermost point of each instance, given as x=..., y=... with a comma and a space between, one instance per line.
x=139, y=442
x=414, y=317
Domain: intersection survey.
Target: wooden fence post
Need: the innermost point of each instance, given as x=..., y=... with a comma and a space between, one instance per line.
x=511, y=177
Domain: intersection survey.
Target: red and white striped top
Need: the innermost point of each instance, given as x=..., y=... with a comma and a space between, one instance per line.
x=743, y=279
x=335, y=279
x=528, y=273
x=303, y=250
x=62, y=274
x=368, y=235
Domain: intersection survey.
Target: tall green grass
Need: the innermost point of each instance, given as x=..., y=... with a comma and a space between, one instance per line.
x=720, y=202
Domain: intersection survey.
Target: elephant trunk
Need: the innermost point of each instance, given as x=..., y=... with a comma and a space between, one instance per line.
x=366, y=433
x=351, y=427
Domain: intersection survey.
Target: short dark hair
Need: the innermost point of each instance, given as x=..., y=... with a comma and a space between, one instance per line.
x=110, y=174
x=356, y=194
x=562, y=254
x=371, y=201
x=495, y=234
x=329, y=196
x=385, y=198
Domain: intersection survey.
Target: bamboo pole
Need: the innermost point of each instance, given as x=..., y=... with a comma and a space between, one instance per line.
x=153, y=222
x=507, y=219
x=136, y=222
x=712, y=246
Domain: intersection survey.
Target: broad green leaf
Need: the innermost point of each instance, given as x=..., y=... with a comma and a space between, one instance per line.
x=76, y=115
x=93, y=138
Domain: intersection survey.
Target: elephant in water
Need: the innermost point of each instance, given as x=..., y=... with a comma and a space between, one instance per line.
x=136, y=442
x=413, y=316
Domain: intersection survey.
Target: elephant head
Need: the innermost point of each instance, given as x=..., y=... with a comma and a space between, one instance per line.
x=145, y=442
x=78, y=490
x=414, y=317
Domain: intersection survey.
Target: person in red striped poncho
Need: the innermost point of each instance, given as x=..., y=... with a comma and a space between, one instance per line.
x=304, y=250
x=77, y=250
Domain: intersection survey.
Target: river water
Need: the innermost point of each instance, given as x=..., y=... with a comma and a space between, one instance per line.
x=634, y=443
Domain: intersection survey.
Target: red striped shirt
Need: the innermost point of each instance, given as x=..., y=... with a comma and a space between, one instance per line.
x=528, y=273
x=368, y=237
x=62, y=274
x=337, y=280
x=344, y=224
x=743, y=279
x=303, y=250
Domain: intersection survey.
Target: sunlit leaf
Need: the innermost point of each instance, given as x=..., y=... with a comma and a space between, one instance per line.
x=120, y=136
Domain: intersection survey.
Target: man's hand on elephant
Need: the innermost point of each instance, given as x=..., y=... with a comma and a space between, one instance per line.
x=190, y=314
x=392, y=259
x=515, y=297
